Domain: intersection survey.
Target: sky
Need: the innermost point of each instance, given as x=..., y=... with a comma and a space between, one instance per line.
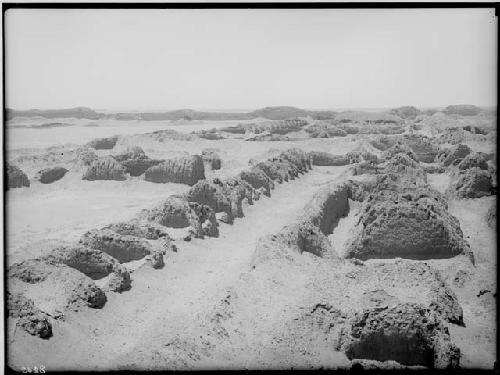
x=247, y=59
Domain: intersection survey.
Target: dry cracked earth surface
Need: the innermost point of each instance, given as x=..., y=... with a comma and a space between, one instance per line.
x=364, y=240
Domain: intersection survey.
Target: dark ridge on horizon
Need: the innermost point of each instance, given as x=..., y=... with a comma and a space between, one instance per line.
x=270, y=113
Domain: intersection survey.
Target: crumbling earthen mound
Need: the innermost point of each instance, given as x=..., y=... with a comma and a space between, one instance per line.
x=365, y=167
x=211, y=159
x=423, y=147
x=91, y=262
x=327, y=159
x=362, y=156
x=106, y=168
x=29, y=317
x=384, y=142
x=289, y=169
x=85, y=156
x=407, y=333
x=308, y=233
x=177, y=212
x=103, y=143
x=155, y=260
x=169, y=135
x=413, y=224
x=130, y=153
x=273, y=171
x=476, y=129
x=211, y=134
x=184, y=170
x=404, y=165
x=214, y=196
x=304, y=236
x=324, y=129
x=258, y=179
x=138, y=228
x=453, y=155
x=237, y=190
x=473, y=160
x=123, y=248
x=298, y=158
x=135, y=161
x=278, y=127
x=16, y=178
x=360, y=190
x=137, y=166
x=119, y=280
x=433, y=168
x=54, y=287
x=399, y=182
x=399, y=148
x=49, y=175
x=408, y=281
x=473, y=183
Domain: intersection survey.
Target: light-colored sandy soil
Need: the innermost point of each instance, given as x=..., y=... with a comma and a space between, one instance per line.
x=164, y=303
x=207, y=308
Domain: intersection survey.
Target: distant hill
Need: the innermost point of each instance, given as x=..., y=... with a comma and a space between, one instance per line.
x=279, y=113
x=283, y=113
x=369, y=117
x=182, y=114
x=78, y=112
x=270, y=113
x=462, y=110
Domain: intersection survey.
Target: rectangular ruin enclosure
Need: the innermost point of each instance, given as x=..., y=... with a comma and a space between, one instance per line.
x=256, y=187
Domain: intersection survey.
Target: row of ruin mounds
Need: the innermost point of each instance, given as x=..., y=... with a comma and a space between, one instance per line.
x=131, y=162
x=64, y=277
x=386, y=303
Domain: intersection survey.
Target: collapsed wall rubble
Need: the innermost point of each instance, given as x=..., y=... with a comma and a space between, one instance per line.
x=16, y=178
x=177, y=212
x=347, y=292
x=124, y=248
x=106, y=168
x=184, y=170
x=227, y=195
x=211, y=159
x=453, y=155
x=327, y=159
x=135, y=161
x=28, y=316
x=403, y=217
x=54, y=288
x=472, y=183
x=103, y=143
x=50, y=175
x=407, y=333
x=308, y=233
x=63, y=277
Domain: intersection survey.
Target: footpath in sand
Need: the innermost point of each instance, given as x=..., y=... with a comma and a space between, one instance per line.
x=134, y=328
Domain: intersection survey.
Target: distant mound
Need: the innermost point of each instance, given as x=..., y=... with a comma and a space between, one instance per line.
x=269, y=113
x=182, y=114
x=367, y=117
x=462, y=110
x=78, y=112
x=279, y=113
x=406, y=112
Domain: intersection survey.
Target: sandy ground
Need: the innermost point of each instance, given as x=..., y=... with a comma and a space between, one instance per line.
x=162, y=303
x=206, y=308
x=79, y=133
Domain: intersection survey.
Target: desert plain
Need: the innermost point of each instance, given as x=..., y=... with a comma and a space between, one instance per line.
x=280, y=238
